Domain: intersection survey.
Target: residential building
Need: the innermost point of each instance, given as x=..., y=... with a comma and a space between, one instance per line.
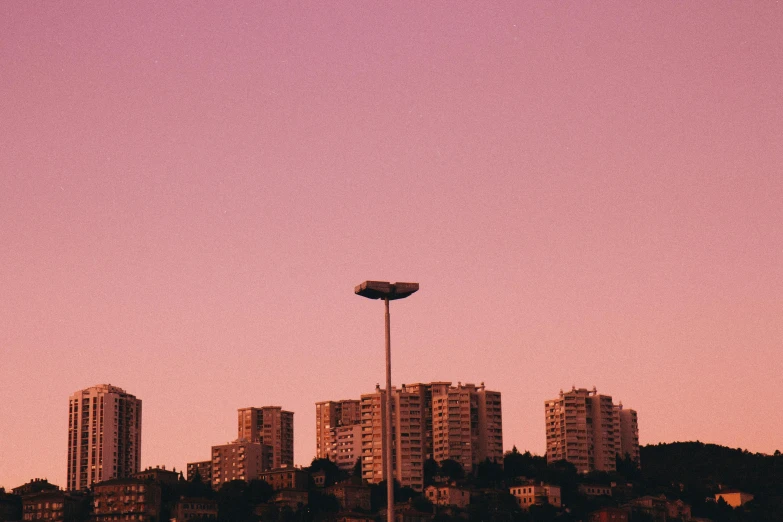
x=595, y=490
x=293, y=498
x=126, y=499
x=351, y=496
x=536, y=494
x=34, y=486
x=650, y=507
x=585, y=429
x=347, y=446
x=466, y=425
x=48, y=506
x=159, y=475
x=239, y=460
x=330, y=415
x=440, y=421
x=286, y=478
x=407, y=456
x=426, y=391
x=447, y=495
x=271, y=426
x=733, y=497
x=189, y=508
x=629, y=433
x=678, y=510
x=203, y=469
x=104, y=435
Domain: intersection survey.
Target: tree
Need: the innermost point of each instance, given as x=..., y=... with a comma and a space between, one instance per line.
x=452, y=469
x=357, y=469
x=431, y=469
x=331, y=472
x=233, y=504
x=489, y=473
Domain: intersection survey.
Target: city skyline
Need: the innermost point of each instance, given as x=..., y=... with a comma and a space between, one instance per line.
x=588, y=194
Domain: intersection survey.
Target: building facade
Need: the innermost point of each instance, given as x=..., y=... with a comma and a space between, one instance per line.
x=190, y=508
x=338, y=432
x=203, y=469
x=286, y=478
x=629, y=433
x=447, y=495
x=239, y=460
x=48, y=506
x=585, y=429
x=430, y=420
x=159, y=475
x=467, y=425
x=536, y=495
x=407, y=438
x=271, y=426
x=104, y=435
x=126, y=499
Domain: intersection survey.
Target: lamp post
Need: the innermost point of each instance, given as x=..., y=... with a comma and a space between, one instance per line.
x=388, y=292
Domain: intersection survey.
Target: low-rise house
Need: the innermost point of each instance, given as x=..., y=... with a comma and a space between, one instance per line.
x=655, y=508
x=447, y=495
x=286, y=478
x=733, y=497
x=678, y=509
x=159, y=475
x=48, y=506
x=536, y=494
x=34, y=486
x=292, y=498
x=595, y=490
x=189, y=508
x=351, y=496
x=319, y=478
x=126, y=499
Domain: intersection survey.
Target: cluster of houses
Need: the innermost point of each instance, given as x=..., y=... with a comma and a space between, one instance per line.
x=138, y=499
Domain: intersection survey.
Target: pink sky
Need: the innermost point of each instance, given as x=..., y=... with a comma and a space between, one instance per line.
x=589, y=194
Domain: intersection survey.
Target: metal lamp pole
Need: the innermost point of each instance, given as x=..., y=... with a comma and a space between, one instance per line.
x=388, y=292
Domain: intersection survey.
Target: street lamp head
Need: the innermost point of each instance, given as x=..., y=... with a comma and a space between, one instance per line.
x=385, y=290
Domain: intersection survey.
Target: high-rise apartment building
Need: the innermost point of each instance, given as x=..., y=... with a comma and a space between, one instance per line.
x=407, y=456
x=629, y=433
x=331, y=417
x=239, y=460
x=104, y=435
x=466, y=425
x=426, y=391
x=430, y=420
x=585, y=429
x=271, y=426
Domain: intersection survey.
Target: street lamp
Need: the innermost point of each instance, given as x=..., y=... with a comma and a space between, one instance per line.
x=388, y=292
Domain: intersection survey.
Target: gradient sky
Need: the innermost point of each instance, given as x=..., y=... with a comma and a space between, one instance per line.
x=589, y=194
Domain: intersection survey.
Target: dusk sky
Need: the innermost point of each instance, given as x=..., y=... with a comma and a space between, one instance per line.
x=589, y=194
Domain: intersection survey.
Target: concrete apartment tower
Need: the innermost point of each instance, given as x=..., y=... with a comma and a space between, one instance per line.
x=104, y=435
x=338, y=432
x=271, y=426
x=585, y=429
x=466, y=425
x=629, y=432
x=407, y=455
x=431, y=420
